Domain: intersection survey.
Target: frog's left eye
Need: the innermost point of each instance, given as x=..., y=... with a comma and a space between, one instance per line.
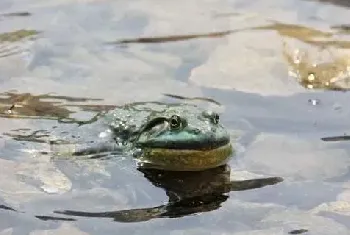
x=215, y=118
x=175, y=122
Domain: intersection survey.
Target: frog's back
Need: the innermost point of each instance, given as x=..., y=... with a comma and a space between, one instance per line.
x=130, y=118
x=133, y=115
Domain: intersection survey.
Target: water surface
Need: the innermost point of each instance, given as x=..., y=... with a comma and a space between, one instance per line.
x=280, y=69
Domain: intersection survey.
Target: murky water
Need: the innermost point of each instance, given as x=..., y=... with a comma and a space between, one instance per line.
x=279, y=68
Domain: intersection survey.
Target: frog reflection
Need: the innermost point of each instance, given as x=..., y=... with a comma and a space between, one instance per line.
x=188, y=192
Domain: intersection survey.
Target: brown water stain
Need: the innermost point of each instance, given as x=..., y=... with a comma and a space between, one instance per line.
x=18, y=35
x=46, y=106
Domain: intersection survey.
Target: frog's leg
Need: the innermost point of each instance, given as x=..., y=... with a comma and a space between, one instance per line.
x=253, y=183
x=127, y=216
x=170, y=210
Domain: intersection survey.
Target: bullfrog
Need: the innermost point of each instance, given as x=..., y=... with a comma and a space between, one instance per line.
x=167, y=136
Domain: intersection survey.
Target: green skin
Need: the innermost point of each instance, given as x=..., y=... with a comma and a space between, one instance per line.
x=179, y=137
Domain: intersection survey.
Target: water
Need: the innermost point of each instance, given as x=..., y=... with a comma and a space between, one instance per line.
x=67, y=60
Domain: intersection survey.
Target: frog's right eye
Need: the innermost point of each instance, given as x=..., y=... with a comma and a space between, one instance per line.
x=175, y=122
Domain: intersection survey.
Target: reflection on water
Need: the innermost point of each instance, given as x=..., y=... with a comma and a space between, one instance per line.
x=343, y=3
x=26, y=105
x=3, y=207
x=342, y=28
x=10, y=41
x=46, y=106
x=188, y=193
x=53, y=218
x=311, y=68
x=174, y=38
x=16, y=14
x=307, y=35
x=56, y=107
x=193, y=98
x=303, y=33
x=39, y=136
x=331, y=75
x=336, y=138
x=300, y=32
x=298, y=231
x=18, y=35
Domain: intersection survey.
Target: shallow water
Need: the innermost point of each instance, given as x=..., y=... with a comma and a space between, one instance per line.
x=64, y=61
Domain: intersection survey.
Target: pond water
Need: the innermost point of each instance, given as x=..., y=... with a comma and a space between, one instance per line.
x=279, y=69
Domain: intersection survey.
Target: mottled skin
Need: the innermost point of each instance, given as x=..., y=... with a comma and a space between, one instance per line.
x=180, y=137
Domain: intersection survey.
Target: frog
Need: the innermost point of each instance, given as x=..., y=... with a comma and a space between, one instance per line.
x=166, y=136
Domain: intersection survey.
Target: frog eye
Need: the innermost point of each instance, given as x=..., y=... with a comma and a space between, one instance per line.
x=215, y=118
x=175, y=122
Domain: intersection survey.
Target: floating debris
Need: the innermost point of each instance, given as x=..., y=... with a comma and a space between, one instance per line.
x=314, y=102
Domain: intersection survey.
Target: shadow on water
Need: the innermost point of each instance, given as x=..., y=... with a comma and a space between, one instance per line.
x=188, y=193
x=45, y=106
x=336, y=138
x=342, y=3
x=3, y=207
x=175, y=38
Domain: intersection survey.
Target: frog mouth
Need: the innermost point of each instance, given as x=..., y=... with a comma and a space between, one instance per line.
x=203, y=144
x=185, y=159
